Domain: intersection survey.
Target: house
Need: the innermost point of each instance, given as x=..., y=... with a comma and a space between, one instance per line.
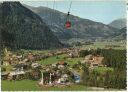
x=50, y=54
x=63, y=79
x=77, y=77
x=35, y=65
x=58, y=52
x=71, y=55
x=87, y=59
x=30, y=57
x=97, y=61
x=93, y=61
x=16, y=75
x=4, y=75
x=74, y=53
x=54, y=65
x=62, y=64
x=25, y=60
x=19, y=57
x=21, y=67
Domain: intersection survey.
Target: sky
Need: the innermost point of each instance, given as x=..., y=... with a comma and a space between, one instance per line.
x=96, y=10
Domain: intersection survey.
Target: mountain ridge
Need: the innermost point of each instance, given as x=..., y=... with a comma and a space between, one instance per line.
x=81, y=28
x=25, y=29
x=118, y=23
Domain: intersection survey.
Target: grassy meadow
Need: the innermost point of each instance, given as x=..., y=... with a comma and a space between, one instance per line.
x=120, y=45
x=29, y=85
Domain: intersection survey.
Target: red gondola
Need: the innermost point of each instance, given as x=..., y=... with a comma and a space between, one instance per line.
x=68, y=24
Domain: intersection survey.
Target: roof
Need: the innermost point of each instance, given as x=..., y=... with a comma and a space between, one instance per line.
x=62, y=63
x=93, y=59
x=4, y=73
x=30, y=57
x=98, y=59
x=17, y=72
x=88, y=57
x=19, y=65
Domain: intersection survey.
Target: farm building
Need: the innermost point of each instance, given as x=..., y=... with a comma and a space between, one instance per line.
x=93, y=61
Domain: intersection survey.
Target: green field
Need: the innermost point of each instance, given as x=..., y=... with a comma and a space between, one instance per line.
x=52, y=60
x=63, y=57
x=102, y=70
x=96, y=45
x=29, y=85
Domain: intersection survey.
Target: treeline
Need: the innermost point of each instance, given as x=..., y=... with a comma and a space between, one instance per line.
x=116, y=78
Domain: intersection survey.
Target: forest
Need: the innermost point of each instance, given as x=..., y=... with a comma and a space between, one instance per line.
x=111, y=78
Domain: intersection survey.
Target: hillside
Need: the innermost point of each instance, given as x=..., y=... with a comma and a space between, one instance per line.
x=21, y=28
x=119, y=23
x=81, y=28
x=122, y=34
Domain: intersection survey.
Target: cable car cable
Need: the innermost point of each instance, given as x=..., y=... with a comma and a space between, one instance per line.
x=53, y=12
x=70, y=7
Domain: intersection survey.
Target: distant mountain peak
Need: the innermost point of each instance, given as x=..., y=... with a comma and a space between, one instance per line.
x=119, y=23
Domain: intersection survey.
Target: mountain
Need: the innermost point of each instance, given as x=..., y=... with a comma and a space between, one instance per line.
x=81, y=28
x=121, y=35
x=119, y=23
x=22, y=28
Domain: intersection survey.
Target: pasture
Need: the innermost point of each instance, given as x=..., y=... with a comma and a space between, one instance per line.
x=29, y=85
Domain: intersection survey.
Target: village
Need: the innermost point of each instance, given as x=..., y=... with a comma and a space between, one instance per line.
x=27, y=66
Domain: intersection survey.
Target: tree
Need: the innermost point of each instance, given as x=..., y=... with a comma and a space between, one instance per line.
x=85, y=75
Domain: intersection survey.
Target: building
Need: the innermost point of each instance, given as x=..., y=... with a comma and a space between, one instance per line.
x=16, y=75
x=4, y=75
x=93, y=61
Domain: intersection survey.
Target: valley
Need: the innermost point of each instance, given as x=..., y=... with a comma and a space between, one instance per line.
x=75, y=64
x=38, y=53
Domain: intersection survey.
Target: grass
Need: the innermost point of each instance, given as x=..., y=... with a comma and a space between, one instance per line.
x=19, y=85
x=63, y=57
x=53, y=59
x=102, y=70
x=72, y=61
x=29, y=85
x=103, y=44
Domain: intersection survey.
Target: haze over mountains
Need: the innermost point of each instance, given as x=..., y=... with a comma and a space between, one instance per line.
x=21, y=28
x=81, y=28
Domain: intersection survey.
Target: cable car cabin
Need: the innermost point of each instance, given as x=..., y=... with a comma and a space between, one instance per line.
x=68, y=24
